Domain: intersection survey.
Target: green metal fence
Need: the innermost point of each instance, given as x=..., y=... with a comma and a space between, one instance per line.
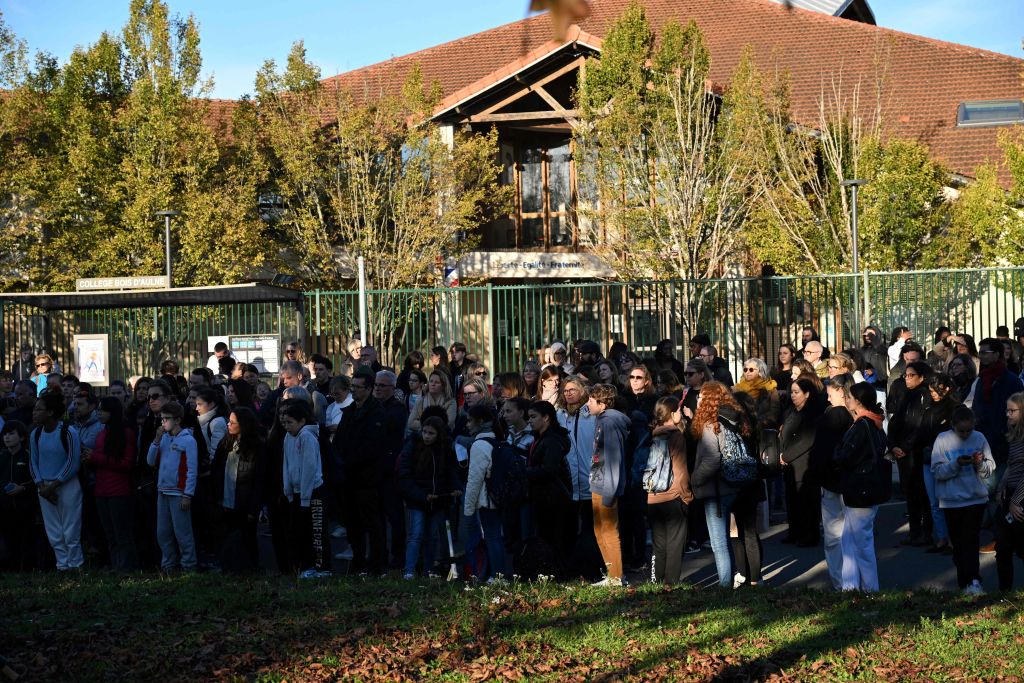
x=140, y=338
x=507, y=325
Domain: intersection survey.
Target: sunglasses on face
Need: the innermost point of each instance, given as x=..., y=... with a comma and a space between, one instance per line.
x=155, y=396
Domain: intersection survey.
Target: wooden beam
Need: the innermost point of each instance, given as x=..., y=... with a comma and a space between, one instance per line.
x=565, y=114
x=549, y=98
x=527, y=89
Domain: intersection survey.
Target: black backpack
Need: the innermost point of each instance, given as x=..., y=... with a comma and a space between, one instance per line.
x=506, y=484
x=65, y=441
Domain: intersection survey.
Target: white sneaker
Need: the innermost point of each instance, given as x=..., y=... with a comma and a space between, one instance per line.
x=408, y=576
x=345, y=554
x=338, y=532
x=974, y=589
x=738, y=580
x=309, y=574
x=608, y=581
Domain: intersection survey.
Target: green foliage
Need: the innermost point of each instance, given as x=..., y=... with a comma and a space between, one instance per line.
x=92, y=149
x=670, y=181
x=374, y=181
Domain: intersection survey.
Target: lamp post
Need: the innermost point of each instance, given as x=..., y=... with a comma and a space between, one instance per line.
x=853, y=184
x=167, y=240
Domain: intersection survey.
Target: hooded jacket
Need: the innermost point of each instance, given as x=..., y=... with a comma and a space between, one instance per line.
x=875, y=355
x=959, y=485
x=417, y=480
x=176, y=461
x=608, y=466
x=479, y=471
x=301, y=467
x=580, y=429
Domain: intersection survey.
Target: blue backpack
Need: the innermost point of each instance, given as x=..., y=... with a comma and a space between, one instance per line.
x=507, y=485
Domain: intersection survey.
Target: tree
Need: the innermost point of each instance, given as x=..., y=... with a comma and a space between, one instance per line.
x=803, y=206
x=663, y=155
x=93, y=148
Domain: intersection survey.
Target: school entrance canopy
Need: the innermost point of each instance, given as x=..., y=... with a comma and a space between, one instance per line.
x=250, y=293
x=142, y=328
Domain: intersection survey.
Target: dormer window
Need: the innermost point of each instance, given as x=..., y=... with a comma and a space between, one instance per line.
x=990, y=113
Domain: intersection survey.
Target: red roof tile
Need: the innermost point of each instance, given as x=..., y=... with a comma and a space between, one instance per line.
x=923, y=79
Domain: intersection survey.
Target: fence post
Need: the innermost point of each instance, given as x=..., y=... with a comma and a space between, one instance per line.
x=490, y=329
x=318, y=330
x=867, y=300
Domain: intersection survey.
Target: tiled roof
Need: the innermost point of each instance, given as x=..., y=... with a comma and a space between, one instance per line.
x=923, y=79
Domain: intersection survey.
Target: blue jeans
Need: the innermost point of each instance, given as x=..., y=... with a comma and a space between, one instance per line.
x=423, y=523
x=717, y=511
x=939, y=531
x=490, y=521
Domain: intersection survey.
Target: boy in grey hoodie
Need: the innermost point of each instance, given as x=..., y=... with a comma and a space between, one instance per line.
x=174, y=456
x=608, y=477
x=961, y=462
x=303, y=481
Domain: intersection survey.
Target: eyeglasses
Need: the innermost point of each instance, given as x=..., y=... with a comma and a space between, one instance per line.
x=911, y=375
x=690, y=372
x=164, y=418
x=480, y=373
x=291, y=350
x=637, y=377
x=42, y=365
x=153, y=396
x=1011, y=411
x=808, y=352
x=749, y=369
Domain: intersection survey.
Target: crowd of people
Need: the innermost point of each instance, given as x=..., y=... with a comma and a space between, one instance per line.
x=558, y=468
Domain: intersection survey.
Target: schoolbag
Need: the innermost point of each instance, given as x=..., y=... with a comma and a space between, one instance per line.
x=658, y=474
x=737, y=465
x=506, y=484
x=638, y=449
x=64, y=440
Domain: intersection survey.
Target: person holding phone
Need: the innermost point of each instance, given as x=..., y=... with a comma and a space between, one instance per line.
x=961, y=462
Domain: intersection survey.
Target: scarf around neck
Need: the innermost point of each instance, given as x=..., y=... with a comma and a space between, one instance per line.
x=989, y=376
x=755, y=386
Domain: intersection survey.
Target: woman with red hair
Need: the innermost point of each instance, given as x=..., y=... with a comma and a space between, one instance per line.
x=715, y=424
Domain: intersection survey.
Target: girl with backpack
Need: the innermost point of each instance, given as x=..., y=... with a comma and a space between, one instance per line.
x=56, y=456
x=865, y=482
x=668, y=491
x=113, y=458
x=477, y=506
x=718, y=426
x=427, y=480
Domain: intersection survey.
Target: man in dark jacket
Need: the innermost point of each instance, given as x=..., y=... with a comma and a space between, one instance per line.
x=395, y=418
x=873, y=351
x=905, y=427
x=290, y=376
x=715, y=363
x=995, y=384
x=357, y=446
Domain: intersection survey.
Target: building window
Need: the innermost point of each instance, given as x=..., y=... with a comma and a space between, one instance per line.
x=990, y=113
x=542, y=173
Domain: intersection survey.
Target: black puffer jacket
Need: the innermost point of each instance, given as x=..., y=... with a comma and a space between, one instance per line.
x=547, y=469
x=424, y=471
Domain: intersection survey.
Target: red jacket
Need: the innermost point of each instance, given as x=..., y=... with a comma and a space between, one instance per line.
x=114, y=477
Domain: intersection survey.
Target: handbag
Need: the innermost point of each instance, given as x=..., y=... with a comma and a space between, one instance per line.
x=770, y=461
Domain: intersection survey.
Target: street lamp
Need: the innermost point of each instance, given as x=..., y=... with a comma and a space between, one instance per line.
x=853, y=184
x=167, y=239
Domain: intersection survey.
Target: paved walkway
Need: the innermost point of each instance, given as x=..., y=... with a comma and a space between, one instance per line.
x=899, y=567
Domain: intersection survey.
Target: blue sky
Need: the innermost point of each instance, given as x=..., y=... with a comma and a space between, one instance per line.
x=345, y=34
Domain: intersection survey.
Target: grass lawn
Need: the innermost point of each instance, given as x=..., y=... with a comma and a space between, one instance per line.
x=204, y=627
